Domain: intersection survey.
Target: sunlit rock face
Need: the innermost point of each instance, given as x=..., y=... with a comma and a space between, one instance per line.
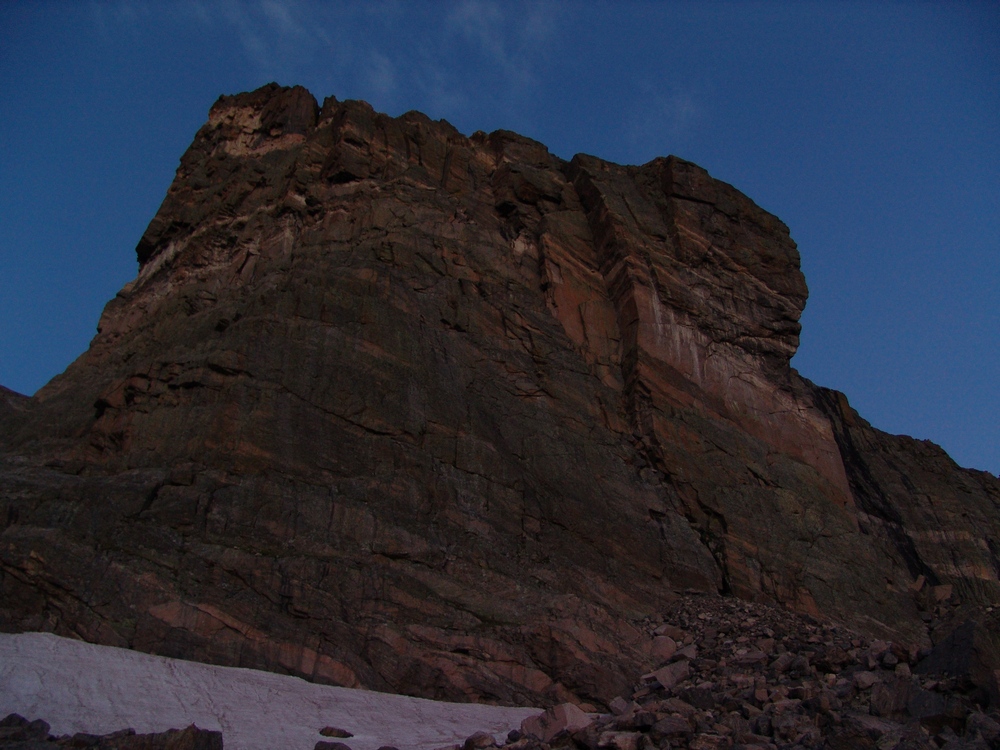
x=393, y=407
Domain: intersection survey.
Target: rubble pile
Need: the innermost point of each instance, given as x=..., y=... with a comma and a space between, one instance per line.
x=734, y=674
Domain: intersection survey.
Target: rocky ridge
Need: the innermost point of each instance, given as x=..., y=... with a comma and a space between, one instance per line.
x=389, y=406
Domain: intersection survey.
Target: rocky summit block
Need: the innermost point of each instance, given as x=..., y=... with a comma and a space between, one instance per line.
x=393, y=407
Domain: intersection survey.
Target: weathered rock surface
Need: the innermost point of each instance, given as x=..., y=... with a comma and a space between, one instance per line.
x=389, y=406
x=13, y=410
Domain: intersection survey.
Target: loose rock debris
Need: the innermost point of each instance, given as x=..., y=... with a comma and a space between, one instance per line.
x=732, y=675
x=17, y=733
x=748, y=676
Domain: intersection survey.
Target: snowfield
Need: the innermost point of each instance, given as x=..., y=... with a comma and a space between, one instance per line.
x=80, y=687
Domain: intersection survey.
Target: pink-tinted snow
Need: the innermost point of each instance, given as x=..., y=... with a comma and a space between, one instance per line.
x=80, y=687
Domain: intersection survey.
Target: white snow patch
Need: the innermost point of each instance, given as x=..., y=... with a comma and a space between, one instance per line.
x=80, y=687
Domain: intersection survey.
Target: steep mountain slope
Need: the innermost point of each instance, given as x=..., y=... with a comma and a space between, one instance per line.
x=393, y=407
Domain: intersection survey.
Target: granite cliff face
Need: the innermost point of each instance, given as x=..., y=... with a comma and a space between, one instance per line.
x=389, y=406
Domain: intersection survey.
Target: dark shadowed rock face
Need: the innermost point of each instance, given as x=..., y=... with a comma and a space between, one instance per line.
x=395, y=407
x=17, y=733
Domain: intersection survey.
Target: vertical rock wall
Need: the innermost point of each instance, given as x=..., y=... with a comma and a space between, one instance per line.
x=391, y=406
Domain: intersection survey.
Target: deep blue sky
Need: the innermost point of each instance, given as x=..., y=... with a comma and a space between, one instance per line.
x=871, y=129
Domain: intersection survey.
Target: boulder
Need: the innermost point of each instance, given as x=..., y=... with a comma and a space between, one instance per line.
x=565, y=717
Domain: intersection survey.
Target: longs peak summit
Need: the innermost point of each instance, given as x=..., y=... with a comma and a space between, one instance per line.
x=393, y=407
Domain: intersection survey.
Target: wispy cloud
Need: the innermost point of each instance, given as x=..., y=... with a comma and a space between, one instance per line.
x=662, y=117
x=438, y=87
x=447, y=59
x=281, y=18
x=506, y=35
x=380, y=74
x=481, y=23
x=273, y=34
x=482, y=56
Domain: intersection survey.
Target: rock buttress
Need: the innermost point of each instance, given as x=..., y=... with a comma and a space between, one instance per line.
x=395, y=407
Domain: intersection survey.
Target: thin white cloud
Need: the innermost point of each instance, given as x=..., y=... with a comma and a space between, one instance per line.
x=380, y=74
x=482, y=25
x=470, y=54
x=275, y=35
x=240, y=17
x=661, y=119
x=443, y=97
x=281, y=19
x=507, y=35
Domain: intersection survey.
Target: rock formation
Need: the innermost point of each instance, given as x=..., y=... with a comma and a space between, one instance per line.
x=389, y=406
x=17, y=733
